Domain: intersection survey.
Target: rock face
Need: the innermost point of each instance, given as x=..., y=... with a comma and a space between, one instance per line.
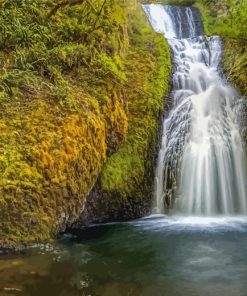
x=101, y=208
x=85, y=108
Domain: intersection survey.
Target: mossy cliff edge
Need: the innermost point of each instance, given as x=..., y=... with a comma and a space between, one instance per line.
x=82, y=85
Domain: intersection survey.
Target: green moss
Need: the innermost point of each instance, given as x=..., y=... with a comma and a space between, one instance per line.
x=124, y=171
x=235, y=62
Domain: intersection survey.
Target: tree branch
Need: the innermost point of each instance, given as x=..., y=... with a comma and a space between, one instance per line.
x=99, y=14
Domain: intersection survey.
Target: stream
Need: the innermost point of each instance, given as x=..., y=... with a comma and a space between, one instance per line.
x=157, y=255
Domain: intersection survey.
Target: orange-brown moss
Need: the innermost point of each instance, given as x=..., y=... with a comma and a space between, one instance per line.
x=50, y=159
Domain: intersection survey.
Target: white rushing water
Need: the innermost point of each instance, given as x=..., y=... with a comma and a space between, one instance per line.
x=201, y=162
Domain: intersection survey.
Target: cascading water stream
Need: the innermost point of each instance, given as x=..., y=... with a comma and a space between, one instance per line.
x=201, y=162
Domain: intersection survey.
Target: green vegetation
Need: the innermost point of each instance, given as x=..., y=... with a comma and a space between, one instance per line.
x=78, y=80
x=125, y=170
x=228, y=18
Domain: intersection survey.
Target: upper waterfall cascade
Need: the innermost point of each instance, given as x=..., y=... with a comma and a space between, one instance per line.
x=201, y=163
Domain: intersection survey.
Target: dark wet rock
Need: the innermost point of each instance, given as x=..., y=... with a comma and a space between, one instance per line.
x=102, y=208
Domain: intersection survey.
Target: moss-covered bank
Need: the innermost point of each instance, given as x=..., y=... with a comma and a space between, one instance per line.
x=79, y=80
x=125, y=187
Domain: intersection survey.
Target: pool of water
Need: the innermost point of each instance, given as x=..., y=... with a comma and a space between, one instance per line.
x=153, y=256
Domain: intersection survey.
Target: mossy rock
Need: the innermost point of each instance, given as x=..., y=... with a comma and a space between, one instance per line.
x=76, y=95
x=50, y=159
x=125, y=187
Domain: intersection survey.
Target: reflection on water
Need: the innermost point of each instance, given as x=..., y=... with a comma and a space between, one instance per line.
x=152, y=256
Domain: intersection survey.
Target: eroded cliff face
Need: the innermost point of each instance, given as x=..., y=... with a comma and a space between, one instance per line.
x=81, y=90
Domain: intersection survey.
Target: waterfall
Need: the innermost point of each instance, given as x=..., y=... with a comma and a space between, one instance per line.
x=201, y=163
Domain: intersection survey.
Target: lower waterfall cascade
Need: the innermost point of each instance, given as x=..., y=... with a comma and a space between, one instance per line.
x=201, y=168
